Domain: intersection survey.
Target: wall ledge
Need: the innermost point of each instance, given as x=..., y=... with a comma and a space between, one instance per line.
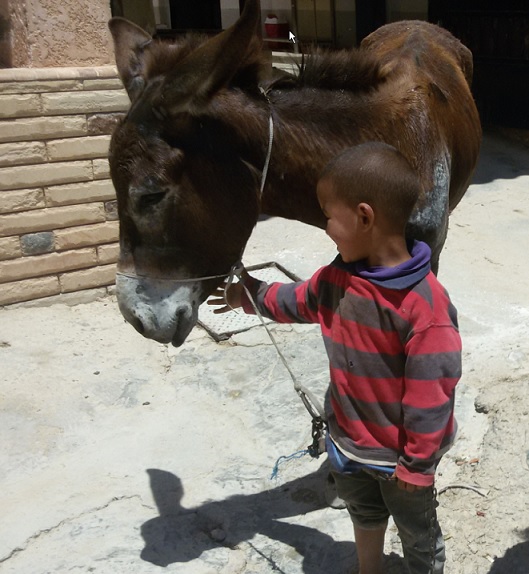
x=63, y=73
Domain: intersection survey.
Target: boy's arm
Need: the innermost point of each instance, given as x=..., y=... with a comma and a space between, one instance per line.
x=433, y=368
x=282, y=302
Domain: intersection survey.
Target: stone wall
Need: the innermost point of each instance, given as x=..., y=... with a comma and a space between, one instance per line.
x=58, y=221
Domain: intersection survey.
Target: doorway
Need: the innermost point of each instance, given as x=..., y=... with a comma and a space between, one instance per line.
x=196, y=15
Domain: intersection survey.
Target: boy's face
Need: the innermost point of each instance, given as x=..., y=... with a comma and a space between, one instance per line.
x=345, y=225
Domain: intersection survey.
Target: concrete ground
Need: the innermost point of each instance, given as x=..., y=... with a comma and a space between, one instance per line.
x=120, y=455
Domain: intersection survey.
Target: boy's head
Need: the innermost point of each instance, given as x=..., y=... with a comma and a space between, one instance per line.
x=367, y=194
x=377, y=174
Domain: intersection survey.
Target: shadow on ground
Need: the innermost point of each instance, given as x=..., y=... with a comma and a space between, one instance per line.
x=182, y=534
x=515, y=560
x=508, y=154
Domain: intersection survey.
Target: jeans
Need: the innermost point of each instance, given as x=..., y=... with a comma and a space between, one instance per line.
x=371, y=497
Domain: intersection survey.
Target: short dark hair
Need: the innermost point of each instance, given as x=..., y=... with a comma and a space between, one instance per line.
x=378, y=174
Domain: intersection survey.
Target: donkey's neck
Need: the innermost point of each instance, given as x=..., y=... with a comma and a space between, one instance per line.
x=311, y=126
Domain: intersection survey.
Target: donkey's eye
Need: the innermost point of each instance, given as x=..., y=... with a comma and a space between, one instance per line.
x=146, y=196
x=151, y=199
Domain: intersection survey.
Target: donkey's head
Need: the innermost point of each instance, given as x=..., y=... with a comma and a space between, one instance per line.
x=187, y=199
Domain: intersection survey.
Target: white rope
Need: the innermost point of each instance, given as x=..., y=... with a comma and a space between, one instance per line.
x=269, y=153
x=235, y=271
x=310, y=401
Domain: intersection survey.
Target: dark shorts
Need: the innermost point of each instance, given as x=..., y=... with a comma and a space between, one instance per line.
x=372, y=497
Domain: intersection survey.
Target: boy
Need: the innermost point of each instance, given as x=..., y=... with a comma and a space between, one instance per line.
x=391, y=335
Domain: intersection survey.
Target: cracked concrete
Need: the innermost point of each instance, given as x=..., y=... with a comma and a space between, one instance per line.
x=119, y=455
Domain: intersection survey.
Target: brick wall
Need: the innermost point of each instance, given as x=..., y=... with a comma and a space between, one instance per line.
x=58, y=220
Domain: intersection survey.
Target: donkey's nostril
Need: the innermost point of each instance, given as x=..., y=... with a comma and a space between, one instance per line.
x=138, y=325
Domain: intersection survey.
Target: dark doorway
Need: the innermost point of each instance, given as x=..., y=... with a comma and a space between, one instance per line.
x=196, y=15
x=498, y=39
x=370, y=15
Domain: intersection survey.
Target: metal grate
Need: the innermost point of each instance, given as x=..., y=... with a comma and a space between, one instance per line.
x=222, y=326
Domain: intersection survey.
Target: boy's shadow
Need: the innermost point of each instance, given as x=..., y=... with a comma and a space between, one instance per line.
x=182, y=534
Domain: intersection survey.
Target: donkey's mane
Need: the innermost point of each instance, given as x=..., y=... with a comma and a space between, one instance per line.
x=350, y=70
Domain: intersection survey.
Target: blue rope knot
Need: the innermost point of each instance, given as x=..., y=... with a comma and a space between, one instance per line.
x=298, y=454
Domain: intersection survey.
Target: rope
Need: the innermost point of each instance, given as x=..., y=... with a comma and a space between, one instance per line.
x=269, y=152
x=310, y=401
x=235, y=271
x=298, y=454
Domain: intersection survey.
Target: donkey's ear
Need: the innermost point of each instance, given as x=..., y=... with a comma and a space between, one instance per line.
x=129, y=45
x=211, y=66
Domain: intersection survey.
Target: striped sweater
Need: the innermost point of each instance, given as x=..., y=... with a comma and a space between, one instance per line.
x=394, y=350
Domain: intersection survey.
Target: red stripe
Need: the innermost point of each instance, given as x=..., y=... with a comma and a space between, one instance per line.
x=428, y=394
x=367, y=390
x=367, y=339
x=425, y=446
x=369, y=435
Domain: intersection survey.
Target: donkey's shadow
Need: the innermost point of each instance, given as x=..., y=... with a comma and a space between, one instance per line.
x=182, y=534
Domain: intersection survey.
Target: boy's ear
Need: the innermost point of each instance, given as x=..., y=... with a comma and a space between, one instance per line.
x=366, y=215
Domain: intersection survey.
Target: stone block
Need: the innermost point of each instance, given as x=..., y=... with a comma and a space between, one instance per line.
x=48, y=264
x=51, y=218
x=88, y=278
x=101, y=168
x=37, y=86
x=22, y=153
x=33, y=129
x=70, y=299
x=20, y=177
x=21, y=200
x=99, y=124
x=37, y=243
x=29, y=289
x=101, y=190
x=103, y=84
x=78, y=148
x=63, y=103
x=10, y=248
x=107, y=253
x=19, y=105
x=111, y=209
x=75, y=237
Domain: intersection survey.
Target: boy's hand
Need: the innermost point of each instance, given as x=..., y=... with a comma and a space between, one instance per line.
x=227, y=300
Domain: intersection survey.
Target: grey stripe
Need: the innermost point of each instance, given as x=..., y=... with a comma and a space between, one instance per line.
x=329, y=295
x=362, y=364
x=435, y=366
x=423, y=290
x=286, y=295
x=379, y=413
x=367, y=313
x=426, y=421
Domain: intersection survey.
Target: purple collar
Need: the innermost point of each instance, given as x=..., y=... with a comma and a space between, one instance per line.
x=402, y=276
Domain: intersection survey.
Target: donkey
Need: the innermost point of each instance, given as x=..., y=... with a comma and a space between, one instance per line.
x=213, y=138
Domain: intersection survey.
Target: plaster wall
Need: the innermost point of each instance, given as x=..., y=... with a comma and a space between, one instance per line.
x=51, y=33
